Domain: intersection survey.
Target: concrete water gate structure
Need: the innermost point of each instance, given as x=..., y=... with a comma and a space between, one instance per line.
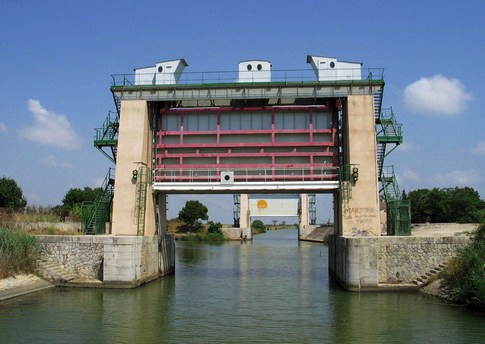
x=254, y=131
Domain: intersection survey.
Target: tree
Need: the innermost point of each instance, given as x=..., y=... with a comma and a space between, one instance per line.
x=258, y=227
x=192, y=212
x=11, y=194
x=465, y=204
x=446, y=205
x=72, y=201
x=75, y=197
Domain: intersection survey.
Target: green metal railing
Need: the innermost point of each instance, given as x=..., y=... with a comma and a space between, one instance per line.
x=398, y=209
x=399, y=217
x=389, y=184
x=290, y=76
x=107, y=136
x=388, y=132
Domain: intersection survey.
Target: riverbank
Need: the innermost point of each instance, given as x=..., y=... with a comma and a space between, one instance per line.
x=438, y=289
x=22, y=284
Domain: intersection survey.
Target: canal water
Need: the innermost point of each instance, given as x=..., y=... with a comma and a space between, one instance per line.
x=271, y=290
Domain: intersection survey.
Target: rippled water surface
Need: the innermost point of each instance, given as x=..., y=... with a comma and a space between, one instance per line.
x=271, y=290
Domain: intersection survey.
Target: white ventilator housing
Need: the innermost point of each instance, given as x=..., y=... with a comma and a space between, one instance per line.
x=329, y=68
x=163, y=73
x=255, y=71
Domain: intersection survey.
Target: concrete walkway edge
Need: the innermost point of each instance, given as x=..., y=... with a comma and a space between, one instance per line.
x=36, y=286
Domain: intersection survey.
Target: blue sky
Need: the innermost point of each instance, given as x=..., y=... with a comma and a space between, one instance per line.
x=56, y=58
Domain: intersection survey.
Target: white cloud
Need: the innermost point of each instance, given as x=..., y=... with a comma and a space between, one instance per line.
x=411, y=175
x=458, y=178
x=479, y=149
x=51, y=161
x=407, y=147
x=50, y=128
x=3, y=127
x=437, y=95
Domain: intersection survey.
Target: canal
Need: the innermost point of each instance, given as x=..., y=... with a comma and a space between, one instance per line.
x=271, y=290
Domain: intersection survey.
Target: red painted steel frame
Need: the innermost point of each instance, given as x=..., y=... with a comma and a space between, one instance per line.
x=213, y=154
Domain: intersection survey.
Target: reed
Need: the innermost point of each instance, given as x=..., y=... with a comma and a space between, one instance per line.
x=18, y=252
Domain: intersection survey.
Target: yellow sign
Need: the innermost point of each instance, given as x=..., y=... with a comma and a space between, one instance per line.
x=262, y=204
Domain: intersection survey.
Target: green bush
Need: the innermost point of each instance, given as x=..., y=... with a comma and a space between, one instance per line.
x=326, y=239
x=258, y=227
x=214, y=227
x=466, y=273
x=191, y=237
x=18, y=252
x=212, y=234
x=215, y=237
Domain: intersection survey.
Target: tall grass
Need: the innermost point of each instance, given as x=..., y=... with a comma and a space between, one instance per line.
x=18, y=252
x=466, y=273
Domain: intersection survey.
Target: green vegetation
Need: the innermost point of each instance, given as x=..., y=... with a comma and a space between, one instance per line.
x=258, y=227
x=36, y=214
x=191, y=229
x=18, y=252
x=192, y=213
x=465, y=276
x=210, y=233
x=11, y=196
x=462, y=205
x=326, y=239
x=72, y=202
x=7, y=218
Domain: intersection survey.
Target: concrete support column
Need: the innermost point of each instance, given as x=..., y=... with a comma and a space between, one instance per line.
x=162, y=213
x=134, y=151
x=244, y=208
x=360, y=211
x=245, y=217
x=304, y=216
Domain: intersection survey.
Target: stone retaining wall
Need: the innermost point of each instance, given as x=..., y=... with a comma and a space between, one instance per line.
x=369, y=263
x=123, y=261
x=81, y=255
x=402, y=259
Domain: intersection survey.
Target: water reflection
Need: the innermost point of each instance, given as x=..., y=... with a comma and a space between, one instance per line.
x=271, y=290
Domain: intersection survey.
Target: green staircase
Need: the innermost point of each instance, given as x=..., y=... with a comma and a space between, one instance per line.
x=389, y=132
x=94, y=215
x=106, y=137
x=389, y=184
x=389, y=136
x=378, y=102
x=398, y=208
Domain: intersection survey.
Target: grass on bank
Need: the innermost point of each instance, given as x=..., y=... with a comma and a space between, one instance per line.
x=18, y=252
x=465, y=275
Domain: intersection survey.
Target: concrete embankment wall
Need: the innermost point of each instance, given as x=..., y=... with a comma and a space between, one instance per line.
x=123, y=261
x=372, y=263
